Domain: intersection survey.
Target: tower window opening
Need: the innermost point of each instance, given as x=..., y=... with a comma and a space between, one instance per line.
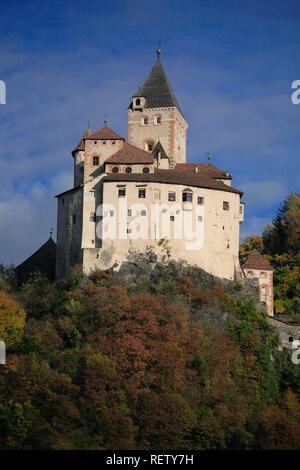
x=74, y=219
x=142, y=193
x=137, y=102
x=149, y=145
x=115, y=169
x=200, y=201
x=157, y=120
x=144, y=120
x=225, y=205
x=95, y=161
x=146, y=169
x=128, y=169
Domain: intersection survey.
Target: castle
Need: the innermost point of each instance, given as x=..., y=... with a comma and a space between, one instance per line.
x=141, y=194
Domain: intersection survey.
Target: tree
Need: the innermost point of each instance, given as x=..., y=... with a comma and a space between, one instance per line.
x=283, y=235
x=12, y=320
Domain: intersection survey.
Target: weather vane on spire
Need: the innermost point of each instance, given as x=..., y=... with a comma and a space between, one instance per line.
x=105, y=120
x=158, y=50
x=51, y=231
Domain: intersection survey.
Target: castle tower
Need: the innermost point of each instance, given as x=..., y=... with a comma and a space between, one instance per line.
x=155, y=115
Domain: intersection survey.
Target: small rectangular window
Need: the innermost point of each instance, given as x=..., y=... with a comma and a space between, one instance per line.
x=142, y=193
x=200, y=218
x=172, y=218
x=129, y=212
x=129, y=230
x=92, y=216
x=63, y=200
x=111, y=213
x=122, y=192
x=200, y=201
x=143, y=213
x=92, y=194
x=172, y=196
x=95, y=161
x=157, y=119
x=144, y=120
x=241, y=209
x=225, y=205
x=74, y=219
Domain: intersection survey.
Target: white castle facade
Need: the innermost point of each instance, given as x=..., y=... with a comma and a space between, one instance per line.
x=142, y=194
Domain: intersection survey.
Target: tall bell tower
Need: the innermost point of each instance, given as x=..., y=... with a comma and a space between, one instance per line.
x=155, y=115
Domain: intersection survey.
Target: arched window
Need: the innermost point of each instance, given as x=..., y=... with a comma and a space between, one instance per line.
x=128, y=169
x=146, y=169
x=149, y=145
x=115, y=169
x=187, y=195
x=137, y=102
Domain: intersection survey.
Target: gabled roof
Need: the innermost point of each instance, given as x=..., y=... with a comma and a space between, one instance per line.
x=173, y=177
x=105, y=133
x=159, y=149
x=204, y=168
x=256, y=261
x=157, y=89
x=130, y=154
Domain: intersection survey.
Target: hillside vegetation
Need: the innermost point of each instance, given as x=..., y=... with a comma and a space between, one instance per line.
x=106, y=362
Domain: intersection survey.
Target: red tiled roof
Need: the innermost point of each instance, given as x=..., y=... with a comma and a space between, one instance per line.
x=204, y=168
x=130, y=154
x=105, y=133
x=80, y=145
x=185, y=178
x=256, y=261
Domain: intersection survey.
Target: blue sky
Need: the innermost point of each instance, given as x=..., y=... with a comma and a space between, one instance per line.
x=231, y=64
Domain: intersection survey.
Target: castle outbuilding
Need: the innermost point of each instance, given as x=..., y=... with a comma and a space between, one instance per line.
x=142, y=193
x=257, y=267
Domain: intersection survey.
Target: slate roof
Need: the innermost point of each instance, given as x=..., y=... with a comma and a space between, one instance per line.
x=157, y=89
x=130, y=154
x=203, y=168
x=173, y=177
x=256, y=261
x=42, y=260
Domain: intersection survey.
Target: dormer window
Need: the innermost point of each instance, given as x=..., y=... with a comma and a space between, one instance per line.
x=138, y=102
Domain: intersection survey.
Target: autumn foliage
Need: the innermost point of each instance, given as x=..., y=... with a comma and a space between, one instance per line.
x=104, y=366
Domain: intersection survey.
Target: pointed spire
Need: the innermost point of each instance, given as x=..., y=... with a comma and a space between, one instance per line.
x=157, y=89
